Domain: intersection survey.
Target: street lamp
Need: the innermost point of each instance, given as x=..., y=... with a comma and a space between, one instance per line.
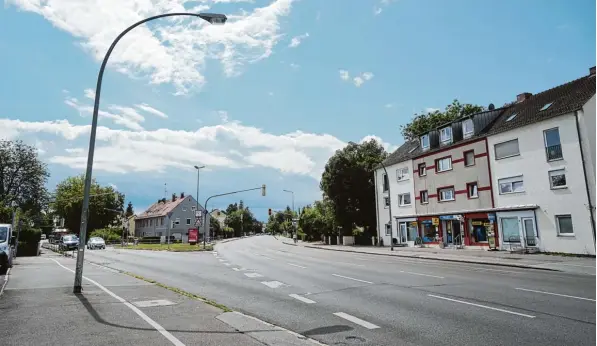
x=198, y=168
x=292, y=192
x=212, y=18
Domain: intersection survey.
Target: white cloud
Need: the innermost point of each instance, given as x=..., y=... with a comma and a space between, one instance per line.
x=431, y=110
x=74, y=150
x=294, y=66
x=387, y=146
x=149, y=109
x=389, y=105
x=125, y=116
x=358, y=80
x=296, y=41
x=382, y=4
x=89, y=93
x=173, y=50
x=377, y=10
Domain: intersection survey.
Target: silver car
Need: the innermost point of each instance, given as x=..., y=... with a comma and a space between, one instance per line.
x=96, y=243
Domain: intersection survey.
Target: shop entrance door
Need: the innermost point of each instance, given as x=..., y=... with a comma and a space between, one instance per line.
x=402, y=229
x=530, y=234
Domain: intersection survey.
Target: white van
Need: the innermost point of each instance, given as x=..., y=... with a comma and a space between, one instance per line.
x=6, y=247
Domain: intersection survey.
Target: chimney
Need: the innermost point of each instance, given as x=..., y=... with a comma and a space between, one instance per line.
x=163, y=200
x=592, y=71
x=181, y=195
x=173, y=197
x=491, y=107
x=523, y=97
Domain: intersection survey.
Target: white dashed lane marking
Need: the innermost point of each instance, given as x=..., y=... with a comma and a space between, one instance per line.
x=556, y=294
x=273, y=284
x=253, y=275
x=356, y=320
x=302, y=299
x=296, y=265
x=481, y=306
x=349, y=278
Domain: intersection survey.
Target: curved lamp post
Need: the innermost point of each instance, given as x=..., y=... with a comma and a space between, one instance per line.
x=212, y=18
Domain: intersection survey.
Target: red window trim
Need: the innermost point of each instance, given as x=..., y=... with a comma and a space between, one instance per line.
x=464, y=157
x=443, y=188
x=421, y=199
x=467, y=187
x=419, y=169
x=441, y=158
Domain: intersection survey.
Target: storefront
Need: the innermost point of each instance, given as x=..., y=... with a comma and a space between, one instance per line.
x=517, y=229
x=407, y=230
x=452, y=230
x=429, y=230
x=480, y=230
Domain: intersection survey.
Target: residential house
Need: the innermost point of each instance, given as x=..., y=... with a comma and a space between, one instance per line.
x=542, y=153
x=219, y=215
x=394, y=192
x=175, y=216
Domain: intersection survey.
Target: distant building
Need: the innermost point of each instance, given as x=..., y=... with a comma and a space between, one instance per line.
x=176, y=215
x=219, y=215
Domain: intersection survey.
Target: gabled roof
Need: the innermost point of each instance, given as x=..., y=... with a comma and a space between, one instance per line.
x=161, y=208
x=564, y=99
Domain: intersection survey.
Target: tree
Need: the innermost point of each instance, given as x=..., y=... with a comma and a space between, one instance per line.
x=347, y=182
x=424, y=122
x=69, y=203
x=129, y=210
x=22, y=180
x=215, y=226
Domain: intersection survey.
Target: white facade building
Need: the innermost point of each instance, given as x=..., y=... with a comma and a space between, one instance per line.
x=536, y=161
x=399, y=183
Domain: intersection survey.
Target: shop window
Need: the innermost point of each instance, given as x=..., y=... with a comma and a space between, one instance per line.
x=472, y=190
x=469, y=158
x=564, y=223
x=404, y=199
x=557, y=179
x=510, y=231
x=424, y=197
x=479, y=230
x=429, y=232
x=412, y=231
x=422, y=170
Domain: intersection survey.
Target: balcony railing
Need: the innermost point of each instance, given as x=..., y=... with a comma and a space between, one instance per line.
x=554, y=152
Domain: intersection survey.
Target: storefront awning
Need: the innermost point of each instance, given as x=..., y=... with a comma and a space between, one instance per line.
x=470, y=211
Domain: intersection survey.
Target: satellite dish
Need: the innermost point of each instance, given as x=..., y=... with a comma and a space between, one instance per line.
x=491, y=107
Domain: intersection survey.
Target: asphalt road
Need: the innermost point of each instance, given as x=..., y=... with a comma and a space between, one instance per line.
x=356, y=299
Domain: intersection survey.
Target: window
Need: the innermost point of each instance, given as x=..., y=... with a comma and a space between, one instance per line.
x=553, y=148
x=162, y=222
x=510, y=231
x=564, y=223
x=557, y=179
x=184, y=208
x=402, y=174
x=422, y=170
x=388, y=229
x=411, y=230
x=469, y=158
x=468, y=128
x=443, y=164
x=445, y=134
x=188, y=221
x=446, y=194
x=511, y=185
x=472, y=190
x=425, y=142
x=386, y=183
x=150, y=222
x=511, y=117
x=506, y=149
x=424, y=197
x=404, y=199
x=386, y=201
x=177, y=221
x=547, y=105
x=193, y=208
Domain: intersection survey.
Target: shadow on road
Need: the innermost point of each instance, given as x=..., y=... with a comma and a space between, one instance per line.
x=327, y=330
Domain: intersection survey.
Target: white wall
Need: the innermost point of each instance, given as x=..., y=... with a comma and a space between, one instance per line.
x=533, y=166
x=396, y=188
x=586, y=119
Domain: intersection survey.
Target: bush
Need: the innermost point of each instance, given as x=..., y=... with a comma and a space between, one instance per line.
x=108, y=234
x=27, y=249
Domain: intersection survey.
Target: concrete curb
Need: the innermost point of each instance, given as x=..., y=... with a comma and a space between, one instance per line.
x=513, y=265
x=5, y=282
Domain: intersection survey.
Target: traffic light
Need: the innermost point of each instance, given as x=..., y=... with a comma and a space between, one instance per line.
x=269, y=212
x=263, y=190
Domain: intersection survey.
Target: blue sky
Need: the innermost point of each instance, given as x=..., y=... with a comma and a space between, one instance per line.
x=267, y=98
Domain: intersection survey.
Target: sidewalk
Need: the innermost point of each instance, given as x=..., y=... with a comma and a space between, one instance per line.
x=578, y=265
x=38, y=307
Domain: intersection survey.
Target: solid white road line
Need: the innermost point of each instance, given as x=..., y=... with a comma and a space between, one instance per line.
x=349, y=278
x=269, y=258
x=253, y=275
x=350, y=264
x=226, y=264
x=5, y=281
x=146, y=318
x=296, y=265
x=302, y=299
x=556, y=294
x=221, y=260
x=355, y=320
x=481, y=306
x=235, y=269
x=273, y=284
x=433, y=276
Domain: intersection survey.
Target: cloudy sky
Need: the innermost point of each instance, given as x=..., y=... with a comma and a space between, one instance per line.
x=268, y=97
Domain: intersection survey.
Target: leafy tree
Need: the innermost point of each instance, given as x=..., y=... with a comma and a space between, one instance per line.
x=22, y=180
x=129, y=210
x=231, y=208
x=427, y=121
x=347, y=182
x=69, y=203
x=215, y=226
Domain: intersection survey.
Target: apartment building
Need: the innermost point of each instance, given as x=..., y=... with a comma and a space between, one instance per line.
x=542, y=152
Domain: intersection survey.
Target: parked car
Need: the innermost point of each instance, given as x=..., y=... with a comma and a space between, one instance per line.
x=68, y=242
x=6, y=248
x=43, y=237
x=96, y=243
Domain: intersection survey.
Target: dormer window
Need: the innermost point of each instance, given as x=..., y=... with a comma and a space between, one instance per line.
x=445, y=135
x=425, y=142
x=467, y=128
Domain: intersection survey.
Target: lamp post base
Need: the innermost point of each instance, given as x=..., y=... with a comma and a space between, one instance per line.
x=77, y=289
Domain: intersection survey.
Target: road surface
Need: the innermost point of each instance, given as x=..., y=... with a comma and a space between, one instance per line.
x=357, y=299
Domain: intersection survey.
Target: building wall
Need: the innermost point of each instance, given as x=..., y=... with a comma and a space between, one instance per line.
x=458, y=177
x=533, y=166
x=586, y=119
x=182, y=212
x=396, y=188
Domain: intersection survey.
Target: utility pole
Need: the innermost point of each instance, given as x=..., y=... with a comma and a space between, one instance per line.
x=197, y=211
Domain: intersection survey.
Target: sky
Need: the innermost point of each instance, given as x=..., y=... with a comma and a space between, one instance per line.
x=268, y=97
